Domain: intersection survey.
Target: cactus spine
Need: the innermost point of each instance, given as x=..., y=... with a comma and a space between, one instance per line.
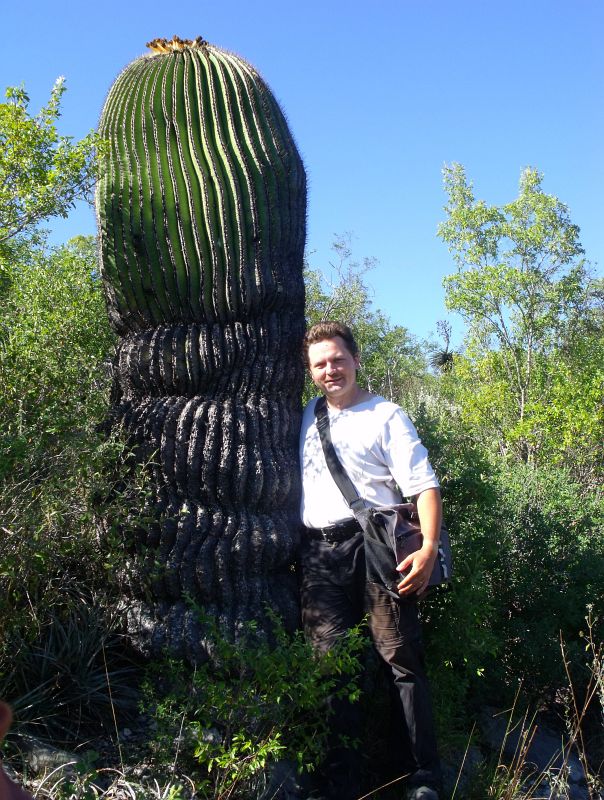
x=201, y=209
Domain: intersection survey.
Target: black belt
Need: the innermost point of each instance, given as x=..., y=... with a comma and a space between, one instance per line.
x=335, y=533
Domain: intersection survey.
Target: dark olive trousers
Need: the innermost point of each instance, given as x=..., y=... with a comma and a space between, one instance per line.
x=336, y=596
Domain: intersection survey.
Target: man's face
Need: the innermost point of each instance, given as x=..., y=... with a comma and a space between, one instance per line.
x=333, y=369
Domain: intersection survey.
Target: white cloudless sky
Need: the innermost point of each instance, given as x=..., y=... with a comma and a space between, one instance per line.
x=379, y=96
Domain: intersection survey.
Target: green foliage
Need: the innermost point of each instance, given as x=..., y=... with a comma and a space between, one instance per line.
x=68, y=680
x=63, y=663
x=54, y=338
x=55, y=634
x=523, y=288
x=54, y=344
x=527, y=391
x=339, y=293
x=549, y=568
x=528, y=557
x=42, y=174
x=458, y=624
x=53, y=329
x=253, y=705
x=566, y=423
x=54, y=379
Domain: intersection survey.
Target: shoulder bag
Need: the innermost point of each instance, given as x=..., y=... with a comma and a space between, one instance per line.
x=391, y=533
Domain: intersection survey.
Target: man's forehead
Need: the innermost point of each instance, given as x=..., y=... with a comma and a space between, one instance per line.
x=335, y=343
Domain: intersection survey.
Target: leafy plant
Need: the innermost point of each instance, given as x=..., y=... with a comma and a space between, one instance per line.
x=42, y=174
x=548, y=568
x=256, y=703
x=74, y=676
x=525, y=291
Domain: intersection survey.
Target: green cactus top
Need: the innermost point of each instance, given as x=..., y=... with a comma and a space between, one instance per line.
x=201, y=202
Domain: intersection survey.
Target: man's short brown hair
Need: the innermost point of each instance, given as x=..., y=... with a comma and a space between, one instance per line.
x=329, y=329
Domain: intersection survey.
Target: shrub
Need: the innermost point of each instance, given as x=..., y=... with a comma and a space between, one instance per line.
x=549, y=568
x=458, y=623
x=251, y=706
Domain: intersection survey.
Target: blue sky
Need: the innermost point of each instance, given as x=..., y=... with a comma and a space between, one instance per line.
x=379, y=95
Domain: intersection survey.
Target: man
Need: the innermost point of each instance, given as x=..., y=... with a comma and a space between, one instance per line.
x=380, y=450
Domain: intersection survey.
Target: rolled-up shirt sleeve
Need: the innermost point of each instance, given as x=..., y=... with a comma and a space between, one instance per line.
x=405, y=456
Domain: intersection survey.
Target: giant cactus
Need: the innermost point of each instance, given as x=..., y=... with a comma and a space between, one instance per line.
x=201, y=209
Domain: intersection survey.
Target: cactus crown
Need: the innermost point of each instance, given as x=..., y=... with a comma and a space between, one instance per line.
x=175, y=44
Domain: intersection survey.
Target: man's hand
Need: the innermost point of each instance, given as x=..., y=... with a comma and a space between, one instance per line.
x=418, y=566
x=8, y=789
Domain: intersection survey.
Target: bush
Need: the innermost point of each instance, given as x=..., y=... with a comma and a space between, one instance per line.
x=67, y=683
x=528, y=546
x=55, y=343
x=549, y=568
x=255, y=704
x=55, y=573
x=458, y=623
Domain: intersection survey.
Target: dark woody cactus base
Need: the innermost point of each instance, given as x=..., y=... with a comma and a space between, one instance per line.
x=201, y=209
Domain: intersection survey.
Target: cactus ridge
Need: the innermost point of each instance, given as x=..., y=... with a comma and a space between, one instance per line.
x=199, y=529
x=181, y=437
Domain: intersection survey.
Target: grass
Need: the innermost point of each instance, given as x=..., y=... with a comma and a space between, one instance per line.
x=160, y=767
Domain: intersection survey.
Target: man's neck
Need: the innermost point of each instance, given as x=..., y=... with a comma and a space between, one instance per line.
x=355, y=396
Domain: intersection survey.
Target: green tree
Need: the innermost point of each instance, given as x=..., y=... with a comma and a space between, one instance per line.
x=54, y=338
x=339, y=292
x=54, y=344
x=53, y=328
x=522, y=285
x=42, y=174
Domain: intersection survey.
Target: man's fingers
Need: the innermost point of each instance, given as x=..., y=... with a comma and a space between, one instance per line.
x=406, y=564
x=416, y=579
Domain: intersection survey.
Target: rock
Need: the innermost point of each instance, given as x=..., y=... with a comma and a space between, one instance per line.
x=459, y=768
x=41, y=757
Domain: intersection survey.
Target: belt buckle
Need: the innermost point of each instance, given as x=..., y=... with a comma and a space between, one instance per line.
x=326, y=534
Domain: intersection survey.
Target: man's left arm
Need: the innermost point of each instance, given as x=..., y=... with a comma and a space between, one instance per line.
x=421, y=562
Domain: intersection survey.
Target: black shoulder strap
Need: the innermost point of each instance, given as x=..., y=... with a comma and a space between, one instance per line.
x=338, y=473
